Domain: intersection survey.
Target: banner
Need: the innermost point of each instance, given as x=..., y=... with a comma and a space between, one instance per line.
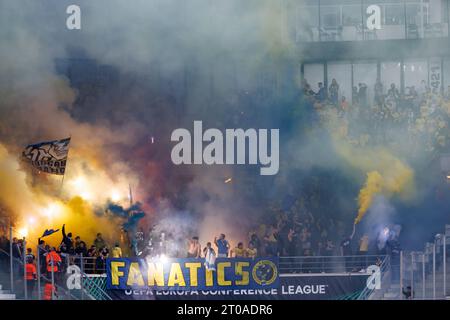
x=291, y=287
x=49, y=157
x=191, y=274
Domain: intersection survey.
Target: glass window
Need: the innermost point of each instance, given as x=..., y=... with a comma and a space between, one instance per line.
x=330, y=16
x=307, y=21
x=392, y=20
x=390, y=74
x=365, y=73
x=446, y=75
x=342, y=72
x=314, y=74
x=416, y=19
x=394, y=14
x=351, y=15
x=415, y=71
x=330, y=23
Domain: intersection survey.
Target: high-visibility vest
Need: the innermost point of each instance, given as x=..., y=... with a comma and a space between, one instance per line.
x=48, y=291
x=56, y=259
x=30, y=271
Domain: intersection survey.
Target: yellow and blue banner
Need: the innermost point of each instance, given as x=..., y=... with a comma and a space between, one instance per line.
x=191, y=274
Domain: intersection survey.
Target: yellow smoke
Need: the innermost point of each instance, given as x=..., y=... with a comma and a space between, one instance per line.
x=386, y=173
x=36, y=208
x=373, y=186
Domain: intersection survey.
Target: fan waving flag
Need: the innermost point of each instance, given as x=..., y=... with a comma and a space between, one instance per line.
x=48, y=232
x=49, y=157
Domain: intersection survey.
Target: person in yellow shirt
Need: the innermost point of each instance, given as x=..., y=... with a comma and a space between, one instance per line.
x=363, y=250
x=239, y=251
x=364, y=244
x=116, y=251
x=251, y=251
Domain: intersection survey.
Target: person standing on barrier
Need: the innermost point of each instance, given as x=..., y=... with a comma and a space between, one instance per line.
x=194, y=248
x=222, y=246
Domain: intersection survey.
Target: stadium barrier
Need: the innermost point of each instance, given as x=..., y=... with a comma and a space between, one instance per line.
x=328, y=264
x=425, y=272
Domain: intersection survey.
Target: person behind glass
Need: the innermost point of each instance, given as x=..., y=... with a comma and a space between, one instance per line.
x=355, y=97
x=334, y=92
x=222, y=246
x=362, y=95
x=393, y=93
x=447, y=94
x=378, y=93
x=321, y=95
x=344, y=106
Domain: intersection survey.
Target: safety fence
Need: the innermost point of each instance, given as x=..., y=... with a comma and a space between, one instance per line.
x=424, y=274
x=65, y=281
x=413, y=274
x=329, y=264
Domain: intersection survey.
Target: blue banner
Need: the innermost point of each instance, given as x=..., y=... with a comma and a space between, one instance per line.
x=191, y=274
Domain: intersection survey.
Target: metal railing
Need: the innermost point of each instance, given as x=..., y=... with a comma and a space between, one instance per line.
x=95, y=286
x=62, y=293
x=89, y=265
x=328, y=264
x=425, y=273
x=385, y=273
x=92, y=276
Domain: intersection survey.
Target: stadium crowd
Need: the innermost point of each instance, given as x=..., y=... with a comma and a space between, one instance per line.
x=419, y=117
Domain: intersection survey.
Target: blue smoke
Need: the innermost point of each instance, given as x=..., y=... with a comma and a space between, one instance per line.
x=133, y=214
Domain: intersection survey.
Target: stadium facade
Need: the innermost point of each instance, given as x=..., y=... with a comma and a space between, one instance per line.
x=335, y=40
